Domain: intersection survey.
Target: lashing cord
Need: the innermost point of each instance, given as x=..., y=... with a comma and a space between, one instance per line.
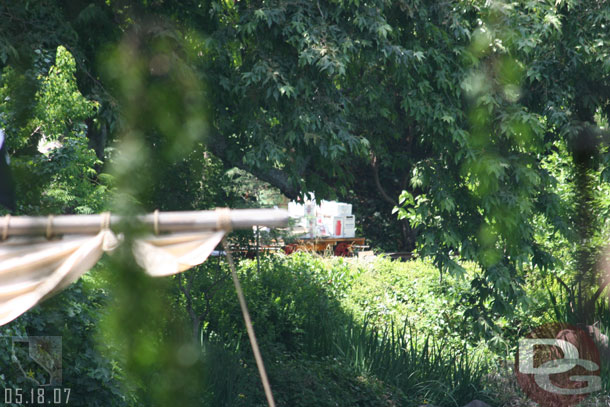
x=249, y=327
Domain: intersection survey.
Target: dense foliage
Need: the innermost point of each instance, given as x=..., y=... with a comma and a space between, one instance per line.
x=528, y=176
x=317, y=320
x=483, y=123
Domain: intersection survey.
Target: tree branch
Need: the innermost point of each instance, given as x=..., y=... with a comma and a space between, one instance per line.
x=382, y=191
x=560, y=280
x=207, y=295
x=189, y=304
x=278, y=178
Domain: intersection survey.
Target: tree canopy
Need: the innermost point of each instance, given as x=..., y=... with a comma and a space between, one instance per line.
x=473, y=132
x=329, y=97
x=529, y=169
x=489, y=117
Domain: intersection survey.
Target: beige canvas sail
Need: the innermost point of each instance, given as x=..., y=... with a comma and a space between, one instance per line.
x=33, y=268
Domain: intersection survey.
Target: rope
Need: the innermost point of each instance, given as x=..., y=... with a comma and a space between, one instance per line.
x=49, y=233
x=249, y=327
x=105, y=223
x=7, y=219
x=223, y=219
x=156, y=222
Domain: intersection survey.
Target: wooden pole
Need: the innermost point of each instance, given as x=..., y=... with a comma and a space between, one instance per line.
x=192, y=221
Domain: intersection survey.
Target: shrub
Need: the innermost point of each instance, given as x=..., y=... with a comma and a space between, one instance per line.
x=328, y=329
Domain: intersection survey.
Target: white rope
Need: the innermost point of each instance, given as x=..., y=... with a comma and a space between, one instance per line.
x=7, y=219
x=156, y=222
x=49, y=233
x=223, y=219
x=105, y=223
x=249, y=327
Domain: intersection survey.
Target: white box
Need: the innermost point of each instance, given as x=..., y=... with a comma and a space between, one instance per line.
x=329, y=208
x=321, y=227
x=344, y=208
x=334, y=208
x=349, y=220
x=334, y=225
x=328, y=224
x=349, y=231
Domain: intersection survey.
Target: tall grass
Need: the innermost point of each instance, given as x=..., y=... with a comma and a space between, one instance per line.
x=425, y=369
x=318, y=351
x=224, y=378
x=421, y=369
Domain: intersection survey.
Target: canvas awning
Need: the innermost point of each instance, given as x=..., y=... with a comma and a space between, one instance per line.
x=40, y=256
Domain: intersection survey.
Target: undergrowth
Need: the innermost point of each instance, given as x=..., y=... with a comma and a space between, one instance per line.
x=326, y=342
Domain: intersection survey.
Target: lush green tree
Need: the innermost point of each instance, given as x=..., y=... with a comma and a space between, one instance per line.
x=333, y=97
x=330, y=97
x=497, y=190
x=56, y=168
x=488, y=114
x=45, y=116
x=285, y=91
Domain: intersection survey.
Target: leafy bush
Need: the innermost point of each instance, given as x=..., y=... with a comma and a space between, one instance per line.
x=385, y=291
x=293, y=302
x=328, y=333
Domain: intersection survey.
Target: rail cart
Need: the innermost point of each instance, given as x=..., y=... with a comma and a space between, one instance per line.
x=340, y=246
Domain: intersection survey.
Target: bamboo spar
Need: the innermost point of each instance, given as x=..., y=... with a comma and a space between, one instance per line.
x=191, y=221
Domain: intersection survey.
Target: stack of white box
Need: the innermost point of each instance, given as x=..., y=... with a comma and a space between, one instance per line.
x=338, y=218
x=329, y=219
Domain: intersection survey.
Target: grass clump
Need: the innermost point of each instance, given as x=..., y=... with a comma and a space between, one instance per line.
x=341, y=333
